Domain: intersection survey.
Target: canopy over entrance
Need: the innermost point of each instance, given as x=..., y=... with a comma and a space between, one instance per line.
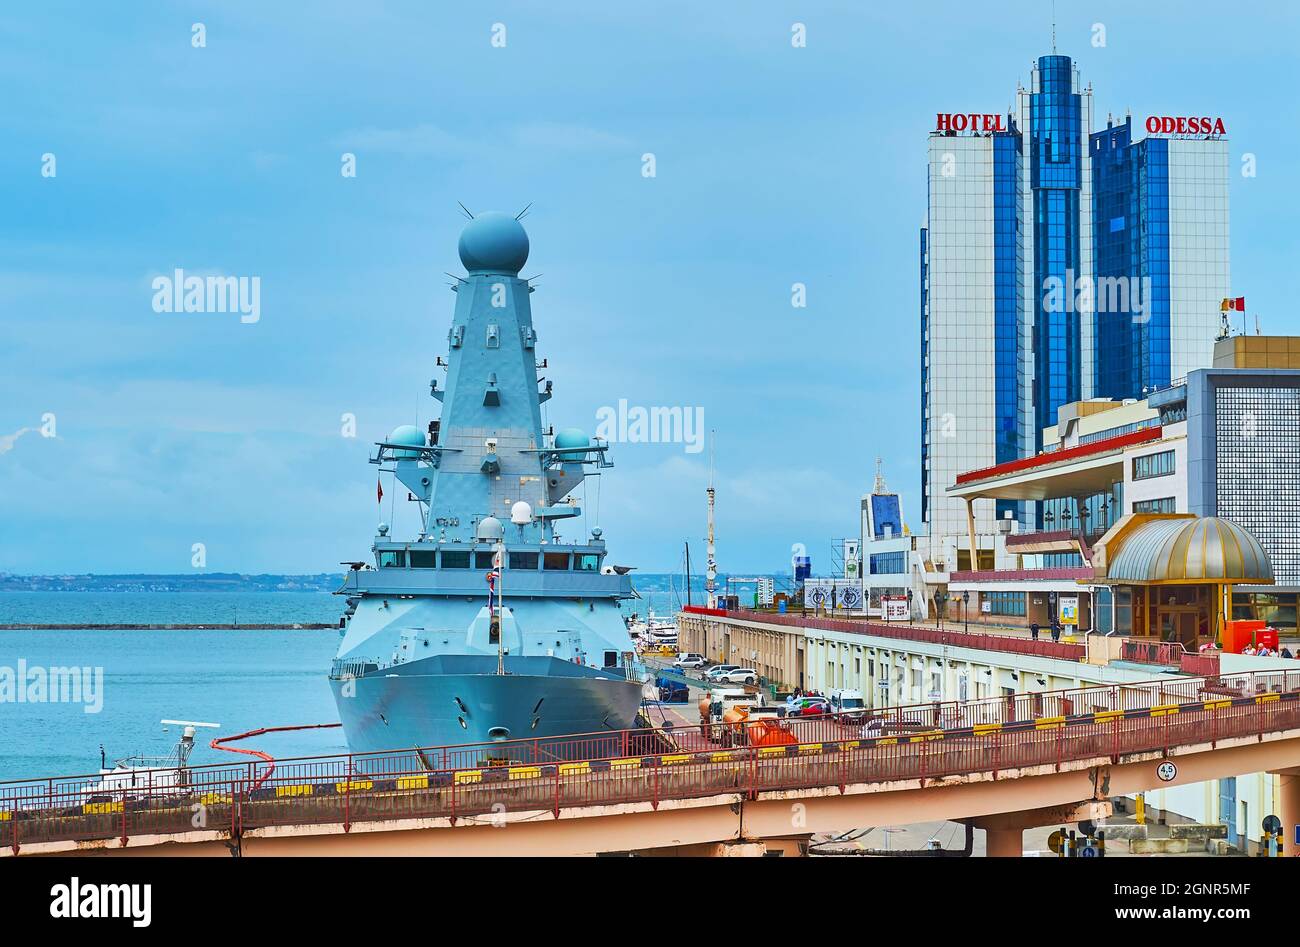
x=1172, y=574
x=1174, y=549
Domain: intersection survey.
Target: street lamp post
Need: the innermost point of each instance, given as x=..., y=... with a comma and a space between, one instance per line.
x=965, y=614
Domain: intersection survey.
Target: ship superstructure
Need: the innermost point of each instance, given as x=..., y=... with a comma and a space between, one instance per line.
x=429, y=655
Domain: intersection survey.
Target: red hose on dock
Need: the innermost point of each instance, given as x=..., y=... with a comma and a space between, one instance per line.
x=217, y=742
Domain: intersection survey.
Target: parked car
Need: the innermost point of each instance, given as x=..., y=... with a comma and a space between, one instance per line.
x=712, y=673
x=810, y=707
x=689, y=661
x=738, y=676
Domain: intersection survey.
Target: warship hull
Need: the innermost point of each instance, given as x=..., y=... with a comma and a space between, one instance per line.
x=532, y=712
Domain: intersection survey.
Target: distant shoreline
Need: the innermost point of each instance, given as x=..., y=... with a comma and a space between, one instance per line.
x=173, y=626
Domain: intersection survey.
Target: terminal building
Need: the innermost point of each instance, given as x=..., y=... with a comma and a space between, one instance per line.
x=1058, y=266
x=1222, y=443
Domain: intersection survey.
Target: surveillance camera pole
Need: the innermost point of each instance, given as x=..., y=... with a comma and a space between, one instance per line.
x=501, y=587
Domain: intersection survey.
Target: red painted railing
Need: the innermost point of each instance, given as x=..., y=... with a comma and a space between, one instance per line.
x=958, y=639
x=917, y=742
x=1064, y=573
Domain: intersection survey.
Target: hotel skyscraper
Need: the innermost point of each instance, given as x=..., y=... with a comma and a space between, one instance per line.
x=1058, y=264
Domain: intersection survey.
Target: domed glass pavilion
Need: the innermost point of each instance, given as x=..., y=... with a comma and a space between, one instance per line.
x=1173, y=573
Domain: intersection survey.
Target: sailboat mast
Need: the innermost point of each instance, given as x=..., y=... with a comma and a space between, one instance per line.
x=688, y=572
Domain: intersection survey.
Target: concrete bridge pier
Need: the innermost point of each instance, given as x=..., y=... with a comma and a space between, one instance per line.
x=1004, y=833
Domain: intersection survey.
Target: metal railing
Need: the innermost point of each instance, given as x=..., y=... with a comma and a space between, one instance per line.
x=905, y=632
x=904, y=743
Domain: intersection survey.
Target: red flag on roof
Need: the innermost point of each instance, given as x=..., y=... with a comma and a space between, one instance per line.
x=380, y=488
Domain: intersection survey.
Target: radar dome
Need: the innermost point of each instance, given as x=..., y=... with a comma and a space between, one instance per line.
x=572, y=437
x=521, y=514
x=407, y=435
x=494, y=242
x=489, y=530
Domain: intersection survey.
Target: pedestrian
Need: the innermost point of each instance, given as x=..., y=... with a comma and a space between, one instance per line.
x=1033, y=630
x=1056, y=630
x=1286, y=653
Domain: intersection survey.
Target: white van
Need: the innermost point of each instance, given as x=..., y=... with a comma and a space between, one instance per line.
x=850, y=703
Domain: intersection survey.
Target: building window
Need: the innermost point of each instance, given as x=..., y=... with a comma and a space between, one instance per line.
x=1162, y=505
x=889, y=563
x=1005, y=603
x=1153, y=465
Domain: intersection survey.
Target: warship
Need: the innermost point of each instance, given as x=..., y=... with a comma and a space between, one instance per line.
x=500, y=620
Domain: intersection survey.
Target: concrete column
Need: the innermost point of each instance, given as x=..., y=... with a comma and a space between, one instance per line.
x=970, y=533
x=1288, y=807
x=1004, y=843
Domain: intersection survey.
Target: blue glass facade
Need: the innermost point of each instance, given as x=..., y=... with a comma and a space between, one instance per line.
x=1055, y=147
x=1131, y=228
x=886, y=515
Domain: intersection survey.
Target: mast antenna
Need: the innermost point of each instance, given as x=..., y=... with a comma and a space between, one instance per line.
x=523, y=213
x=465, y=209
x=711, y=563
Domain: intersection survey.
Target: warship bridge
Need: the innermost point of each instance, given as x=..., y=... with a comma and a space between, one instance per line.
x=1002, y=764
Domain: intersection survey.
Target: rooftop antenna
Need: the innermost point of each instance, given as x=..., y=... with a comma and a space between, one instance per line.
x=523, y=213
x=879, y=489
x=1053, y=27
x=465, y=209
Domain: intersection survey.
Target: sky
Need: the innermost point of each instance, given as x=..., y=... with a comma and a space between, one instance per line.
x=774, y=165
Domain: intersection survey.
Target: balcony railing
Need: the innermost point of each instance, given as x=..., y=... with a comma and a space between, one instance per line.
x=1022, y=575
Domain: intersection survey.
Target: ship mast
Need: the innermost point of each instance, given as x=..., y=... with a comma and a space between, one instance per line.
x=711, y=569
x=501, y=588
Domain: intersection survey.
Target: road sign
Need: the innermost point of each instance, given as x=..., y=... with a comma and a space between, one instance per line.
x=1088, y=827
x=1272, y=824
x=1089, y=852
x=1167, y=771
x=1056, y=838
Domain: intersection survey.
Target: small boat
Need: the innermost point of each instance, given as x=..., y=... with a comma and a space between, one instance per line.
x=148, y=775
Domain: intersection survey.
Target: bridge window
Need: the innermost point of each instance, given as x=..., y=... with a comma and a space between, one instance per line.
x=392, y=559
x=455, y=559
x=483, y=560
x=422, y=558
x=555, y=561
x=523, y=560
x=587, y=562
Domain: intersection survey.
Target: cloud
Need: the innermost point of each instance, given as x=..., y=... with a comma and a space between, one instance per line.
x=559, y=136
x=7, y=441
x=427, y=140
x=418, y=140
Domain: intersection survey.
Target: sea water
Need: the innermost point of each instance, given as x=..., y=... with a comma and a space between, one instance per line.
x=240, y=679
